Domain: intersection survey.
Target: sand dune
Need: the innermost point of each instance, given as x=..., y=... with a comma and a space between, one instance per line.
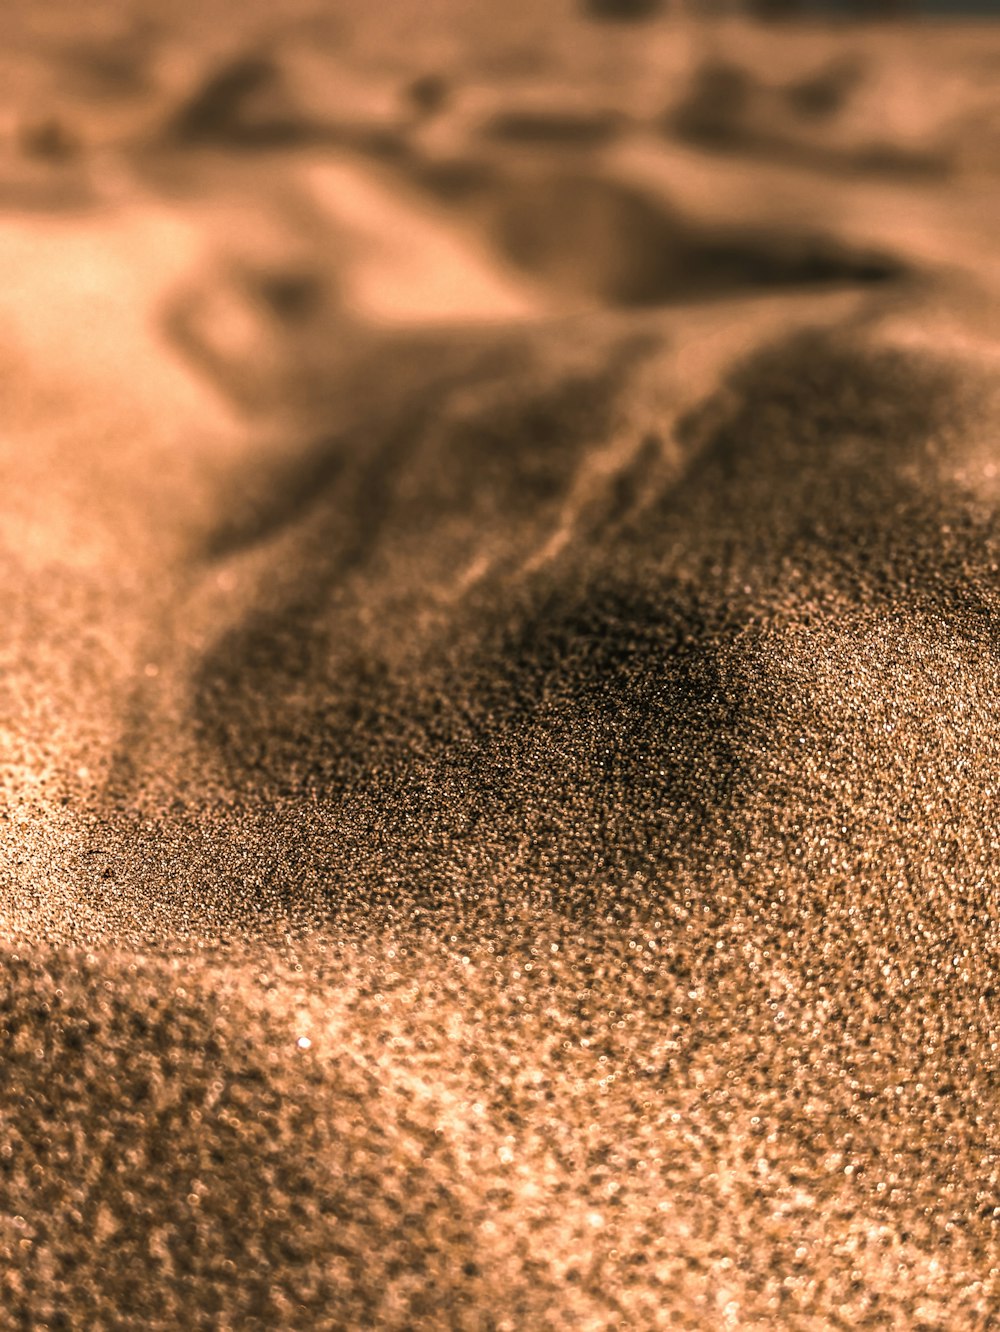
x=500, y=740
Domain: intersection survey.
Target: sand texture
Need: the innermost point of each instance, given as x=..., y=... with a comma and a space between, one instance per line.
x=499, y=724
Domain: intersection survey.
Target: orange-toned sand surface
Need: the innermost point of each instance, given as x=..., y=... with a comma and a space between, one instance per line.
x=500, y=528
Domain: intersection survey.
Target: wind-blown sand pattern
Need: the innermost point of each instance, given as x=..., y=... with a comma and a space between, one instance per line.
x=499, y=672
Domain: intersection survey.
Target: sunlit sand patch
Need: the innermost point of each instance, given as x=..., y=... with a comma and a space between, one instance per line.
x=410, y=265
x=79, y=303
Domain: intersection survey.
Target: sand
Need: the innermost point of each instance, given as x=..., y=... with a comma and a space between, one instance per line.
x=500, y=742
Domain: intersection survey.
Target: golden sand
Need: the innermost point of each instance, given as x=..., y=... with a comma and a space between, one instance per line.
x=499, y=699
